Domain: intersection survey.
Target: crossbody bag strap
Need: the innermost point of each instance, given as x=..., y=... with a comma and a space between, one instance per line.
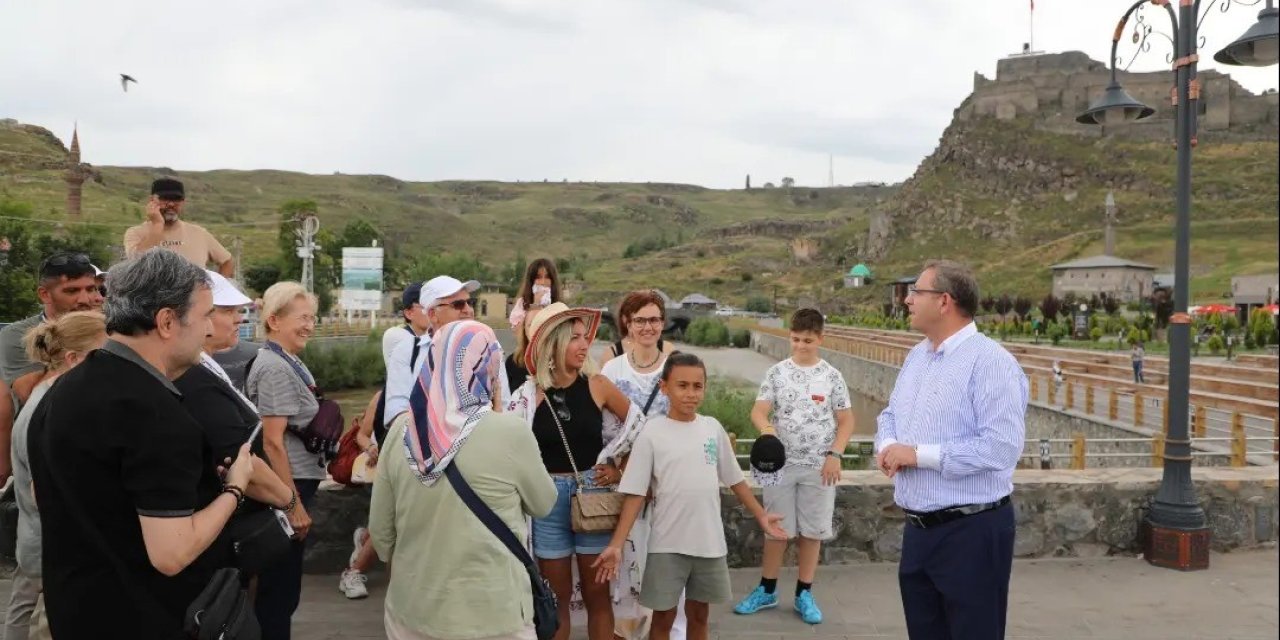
x=486, y=515
x=307, y=380
x=559, y=427
x=657, y=386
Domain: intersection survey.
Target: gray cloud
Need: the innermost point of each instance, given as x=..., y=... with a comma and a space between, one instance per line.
x=700, y=91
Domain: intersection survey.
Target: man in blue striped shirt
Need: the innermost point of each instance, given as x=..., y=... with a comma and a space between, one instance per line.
x=950, y=439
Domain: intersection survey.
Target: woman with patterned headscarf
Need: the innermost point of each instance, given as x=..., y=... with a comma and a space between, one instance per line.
x=453, y=578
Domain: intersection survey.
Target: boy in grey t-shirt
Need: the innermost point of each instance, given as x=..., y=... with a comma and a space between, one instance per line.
x=683, y=457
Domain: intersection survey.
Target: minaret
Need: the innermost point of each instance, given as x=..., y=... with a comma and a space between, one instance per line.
x=74, y=176
x=1109, y=235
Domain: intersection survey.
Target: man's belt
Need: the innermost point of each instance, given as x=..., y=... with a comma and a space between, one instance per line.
x=927, y=519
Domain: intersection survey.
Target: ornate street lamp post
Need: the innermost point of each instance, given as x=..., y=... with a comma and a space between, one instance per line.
x=1175, y=533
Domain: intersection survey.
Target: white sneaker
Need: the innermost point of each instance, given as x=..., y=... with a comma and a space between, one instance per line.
x=352, y=585
x=360, y=536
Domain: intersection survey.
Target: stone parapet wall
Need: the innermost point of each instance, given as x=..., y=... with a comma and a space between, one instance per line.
x=1059, y=514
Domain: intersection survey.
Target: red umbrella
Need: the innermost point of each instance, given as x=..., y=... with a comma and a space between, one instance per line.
x=1210, y=309
x=1273, y=309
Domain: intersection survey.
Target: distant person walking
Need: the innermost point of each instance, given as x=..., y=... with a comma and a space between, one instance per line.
x=1137, y=355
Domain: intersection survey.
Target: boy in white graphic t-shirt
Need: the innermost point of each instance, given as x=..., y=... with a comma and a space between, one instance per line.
x=812, y=416
x=684, y=458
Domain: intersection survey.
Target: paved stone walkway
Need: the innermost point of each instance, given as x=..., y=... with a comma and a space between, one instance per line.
x=1111, y=598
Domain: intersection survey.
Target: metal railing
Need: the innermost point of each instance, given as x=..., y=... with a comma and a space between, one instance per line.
x=1041, y=453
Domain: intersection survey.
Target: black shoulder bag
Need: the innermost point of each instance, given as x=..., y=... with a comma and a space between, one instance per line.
x=546, y=617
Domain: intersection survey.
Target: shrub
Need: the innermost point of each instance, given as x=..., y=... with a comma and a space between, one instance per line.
x=1215, y=344
x=1095, y=334
x=1057, y=333
x=730, y=405
x=345, y=366
x=740, y=338
x=759, y=304
x=708, y=332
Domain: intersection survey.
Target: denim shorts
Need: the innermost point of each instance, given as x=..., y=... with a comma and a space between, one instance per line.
x=553, y=536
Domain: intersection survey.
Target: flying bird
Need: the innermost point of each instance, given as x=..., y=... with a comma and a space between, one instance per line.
x=125, y=79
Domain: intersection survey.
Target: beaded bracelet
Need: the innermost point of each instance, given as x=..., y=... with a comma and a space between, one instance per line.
x=234, y=491
x=293, y=503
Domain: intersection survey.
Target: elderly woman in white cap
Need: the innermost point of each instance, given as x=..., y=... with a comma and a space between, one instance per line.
x=228, y=418
x=583, y=425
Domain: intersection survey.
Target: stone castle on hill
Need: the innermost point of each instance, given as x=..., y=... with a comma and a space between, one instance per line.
x=1056, y=87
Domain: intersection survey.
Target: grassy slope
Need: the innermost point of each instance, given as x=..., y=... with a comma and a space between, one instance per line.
x=1234, y=232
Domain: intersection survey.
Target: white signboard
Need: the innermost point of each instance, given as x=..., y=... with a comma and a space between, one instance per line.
x=361, y=278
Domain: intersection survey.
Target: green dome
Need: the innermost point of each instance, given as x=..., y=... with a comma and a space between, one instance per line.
x=860, y=270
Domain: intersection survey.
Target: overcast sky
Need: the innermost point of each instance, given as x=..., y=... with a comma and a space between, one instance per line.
x=695, y=91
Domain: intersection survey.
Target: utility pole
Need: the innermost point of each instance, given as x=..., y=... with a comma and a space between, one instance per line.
x=308, y=225
x=237, y=251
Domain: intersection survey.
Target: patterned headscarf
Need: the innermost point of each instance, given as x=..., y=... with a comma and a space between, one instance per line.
x=452, y=393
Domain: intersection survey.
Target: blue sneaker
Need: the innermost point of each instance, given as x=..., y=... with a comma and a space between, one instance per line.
x=755, y=601
x=807, y=608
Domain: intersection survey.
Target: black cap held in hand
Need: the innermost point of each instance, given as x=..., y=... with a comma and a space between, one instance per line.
x=168, y=189
x=767, y=454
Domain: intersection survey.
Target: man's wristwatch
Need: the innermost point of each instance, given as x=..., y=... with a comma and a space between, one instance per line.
x=832, y=454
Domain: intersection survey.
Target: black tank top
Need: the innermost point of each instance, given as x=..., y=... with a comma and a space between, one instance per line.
x=582, y=428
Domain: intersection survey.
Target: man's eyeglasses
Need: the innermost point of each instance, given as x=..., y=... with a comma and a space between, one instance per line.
x=641, y=322
x=911, y=291
x=458, y=305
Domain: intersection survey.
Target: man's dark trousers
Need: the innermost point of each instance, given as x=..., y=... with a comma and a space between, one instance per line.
x=955, y=577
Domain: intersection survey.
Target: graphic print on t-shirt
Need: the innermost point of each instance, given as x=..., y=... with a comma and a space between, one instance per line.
x=709, y=451
x=805, y=400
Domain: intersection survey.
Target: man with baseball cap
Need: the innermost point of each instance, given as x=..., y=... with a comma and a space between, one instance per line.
x=444, y=299
x=415, y=324
x=163, y=228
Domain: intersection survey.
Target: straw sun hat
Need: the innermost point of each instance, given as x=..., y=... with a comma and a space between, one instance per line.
x=547, y=320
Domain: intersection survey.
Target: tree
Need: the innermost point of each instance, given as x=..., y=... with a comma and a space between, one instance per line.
x=787, y=183
x=758, y=304
x=1050, y=307
x=1022, y=307
x=1069, y=303
x=1004, y=305
x=988, y=304
x=28, y=245
x=768, y=185
x=1110, y=303
x=260, y=276
x=1162, y=307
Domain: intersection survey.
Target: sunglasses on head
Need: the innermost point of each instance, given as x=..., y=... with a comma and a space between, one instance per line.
x=65, y=259
x=459, y=305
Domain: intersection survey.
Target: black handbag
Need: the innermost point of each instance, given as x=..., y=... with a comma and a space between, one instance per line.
x=222, y=611
x=258, y=540
x=546, y=615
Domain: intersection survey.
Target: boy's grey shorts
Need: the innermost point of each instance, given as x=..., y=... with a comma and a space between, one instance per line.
x=667, y=574
x=806, y=505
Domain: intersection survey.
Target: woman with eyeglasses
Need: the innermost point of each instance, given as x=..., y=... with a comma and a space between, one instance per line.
x=280, y=385
x=582, y=424
x=627, y=341
x=540, y=288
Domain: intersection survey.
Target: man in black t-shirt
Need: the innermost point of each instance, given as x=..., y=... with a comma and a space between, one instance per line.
x=126, y=497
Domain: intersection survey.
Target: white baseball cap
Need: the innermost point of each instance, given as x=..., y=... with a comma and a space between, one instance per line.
x=443, y=287
x=225, y=293
x=97, y=273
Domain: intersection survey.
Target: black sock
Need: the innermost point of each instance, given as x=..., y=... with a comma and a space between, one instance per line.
x=802, y=586
x=770, y=584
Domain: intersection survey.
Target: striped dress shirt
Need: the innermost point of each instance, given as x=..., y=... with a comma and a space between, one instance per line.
x=963, y=406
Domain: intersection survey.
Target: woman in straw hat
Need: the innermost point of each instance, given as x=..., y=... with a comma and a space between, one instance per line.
x=583, y=425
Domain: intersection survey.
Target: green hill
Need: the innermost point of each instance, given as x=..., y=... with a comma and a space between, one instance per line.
x=1005, y=196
